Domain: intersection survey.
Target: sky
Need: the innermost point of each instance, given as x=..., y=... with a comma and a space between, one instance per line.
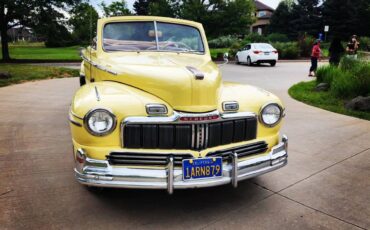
x=271, y=3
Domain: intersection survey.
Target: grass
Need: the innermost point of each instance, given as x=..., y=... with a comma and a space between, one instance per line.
x=39, y=52
x=216, y=51
x=22, y=73
x=304, y=92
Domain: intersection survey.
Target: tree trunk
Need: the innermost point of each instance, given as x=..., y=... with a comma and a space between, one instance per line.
x=4, y=42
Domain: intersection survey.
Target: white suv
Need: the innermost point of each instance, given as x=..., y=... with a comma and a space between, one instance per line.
x=257, y=53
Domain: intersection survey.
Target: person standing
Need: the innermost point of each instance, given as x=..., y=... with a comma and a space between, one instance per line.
x=352, y=47
x=315, y=56
x=336, y=51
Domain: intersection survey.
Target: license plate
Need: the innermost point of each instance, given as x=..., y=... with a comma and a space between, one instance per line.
x=267, y=53
x=201, y=168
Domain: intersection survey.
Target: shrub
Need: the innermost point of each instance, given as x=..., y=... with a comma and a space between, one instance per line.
x=287, y=50
x=254, y=37
x=344, y=85
x=276, y=37
x=222, y=42
x=352, y=80
x=305, y=45
x=234, y=49
x=348, y=64
x=365, y=43
x=327, y=73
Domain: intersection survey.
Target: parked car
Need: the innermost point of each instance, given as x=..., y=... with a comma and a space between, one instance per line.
x=154, y=113
x=257, y=53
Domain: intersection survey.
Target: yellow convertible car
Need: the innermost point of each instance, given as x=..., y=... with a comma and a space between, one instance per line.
x=154, y=113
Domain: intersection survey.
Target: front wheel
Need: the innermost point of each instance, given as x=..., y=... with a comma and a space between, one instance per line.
x=273, y=63
x=249, y=61
x=82, y=80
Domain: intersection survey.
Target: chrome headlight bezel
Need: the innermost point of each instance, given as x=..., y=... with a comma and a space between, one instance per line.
x=92, y=112
x=263, y=108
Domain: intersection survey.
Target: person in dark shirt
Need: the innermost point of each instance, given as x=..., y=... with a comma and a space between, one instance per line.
x=336, y=51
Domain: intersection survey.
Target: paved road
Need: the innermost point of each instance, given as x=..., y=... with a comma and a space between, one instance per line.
x=326, y=184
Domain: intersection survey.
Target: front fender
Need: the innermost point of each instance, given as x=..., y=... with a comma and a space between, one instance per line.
x=122, y=100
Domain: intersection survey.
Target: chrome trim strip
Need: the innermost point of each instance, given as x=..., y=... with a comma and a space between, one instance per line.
x=156, y=35
x=197, y=73
x=206, y=136
x=97, y=93
x=100, y=173
x=234, y=177
x=170, y=174
x=75, y=115
x=192, y=136
x=98, y=66
x=75, y=122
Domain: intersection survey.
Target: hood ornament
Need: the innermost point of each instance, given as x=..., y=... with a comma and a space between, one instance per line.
x=197, y=73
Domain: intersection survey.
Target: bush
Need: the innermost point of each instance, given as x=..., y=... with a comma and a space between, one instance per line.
x=287, y=50
x=351, y=79
x=276, y=37
x=253, y=37
x=234, y=49
x=327, y=73
x=305, y=45
x=365, y=43
x=222, y=42
x=347, y=64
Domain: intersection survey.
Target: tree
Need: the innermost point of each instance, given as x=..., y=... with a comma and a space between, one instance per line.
x=164, y=8
x=141, y=7
x=84, y=22
x=219, y=17
x=28, y=13
x=281, y=18
x=307, y=17
x=115, y=9
x=346, y=18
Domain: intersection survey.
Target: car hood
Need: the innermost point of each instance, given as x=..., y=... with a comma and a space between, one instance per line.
x=170, y=77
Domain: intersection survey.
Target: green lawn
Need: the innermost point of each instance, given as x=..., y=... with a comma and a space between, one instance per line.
x=43, y=53
x=304, y=92
x=22, y=73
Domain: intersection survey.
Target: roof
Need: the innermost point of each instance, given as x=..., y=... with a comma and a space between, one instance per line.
x=261, y=6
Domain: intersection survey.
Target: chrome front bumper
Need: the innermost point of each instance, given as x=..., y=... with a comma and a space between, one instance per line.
x=101, y=174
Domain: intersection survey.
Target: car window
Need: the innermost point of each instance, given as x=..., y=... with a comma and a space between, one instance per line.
x=263, y=46
x=151, y=36
x=247, y=47
x=129, y=36
x=176, y=37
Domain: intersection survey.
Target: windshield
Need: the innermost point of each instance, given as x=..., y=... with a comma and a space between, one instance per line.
x=142, y=36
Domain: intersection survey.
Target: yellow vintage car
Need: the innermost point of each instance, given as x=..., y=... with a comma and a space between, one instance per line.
x=154, y=113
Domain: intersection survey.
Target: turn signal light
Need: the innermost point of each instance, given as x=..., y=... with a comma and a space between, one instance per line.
x=275, y=52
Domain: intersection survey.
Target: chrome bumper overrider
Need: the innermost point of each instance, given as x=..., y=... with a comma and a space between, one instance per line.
x=100, y=173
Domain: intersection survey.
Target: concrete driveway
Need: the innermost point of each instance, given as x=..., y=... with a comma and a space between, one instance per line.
x=326, y=184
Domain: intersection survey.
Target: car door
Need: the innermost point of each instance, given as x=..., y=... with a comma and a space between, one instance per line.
x=244, y=53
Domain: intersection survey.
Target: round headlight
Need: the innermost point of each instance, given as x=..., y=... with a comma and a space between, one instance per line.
x=100, y=122
x=271, y=114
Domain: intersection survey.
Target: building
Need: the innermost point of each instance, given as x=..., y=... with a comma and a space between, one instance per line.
x=263, y=14
x=21, y=33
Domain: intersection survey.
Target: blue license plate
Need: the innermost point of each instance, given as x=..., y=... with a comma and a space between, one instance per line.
x=202, y=168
